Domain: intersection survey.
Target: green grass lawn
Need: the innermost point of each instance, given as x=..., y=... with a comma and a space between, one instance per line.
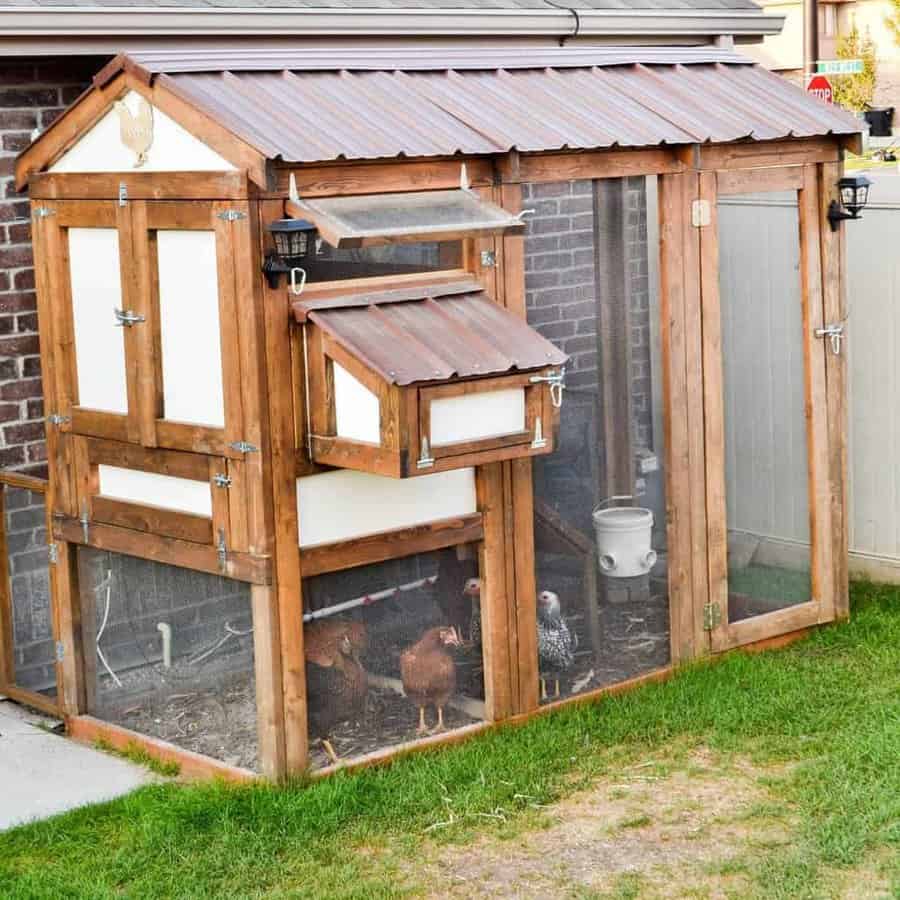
x=830, y=705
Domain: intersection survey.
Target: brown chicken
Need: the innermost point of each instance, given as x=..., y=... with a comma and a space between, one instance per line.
x=321, y=638
x=429, y=672
x=336, y=682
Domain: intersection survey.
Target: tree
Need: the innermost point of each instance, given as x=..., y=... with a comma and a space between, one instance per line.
x=856, y=92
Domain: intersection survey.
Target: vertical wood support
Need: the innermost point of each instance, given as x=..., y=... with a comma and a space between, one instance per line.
x=834, y=280
x=679, y=411
x=613, y=338
x=287, y=584
x=495, y=591
x=714, y=408
x=71, y=683
x=7, y=648
x=817, y=407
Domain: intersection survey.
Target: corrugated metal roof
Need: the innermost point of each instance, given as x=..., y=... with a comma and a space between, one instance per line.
x=428, y=335
x=486, y=100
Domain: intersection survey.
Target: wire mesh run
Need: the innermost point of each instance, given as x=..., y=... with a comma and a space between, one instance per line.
x=28, y=571
x=172, y=654
x=589, y=264
x=393, y=652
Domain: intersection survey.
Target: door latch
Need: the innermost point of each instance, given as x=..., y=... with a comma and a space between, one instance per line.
x=836, y=333
x=557, y=382
x=221, y=480
x=127, y=318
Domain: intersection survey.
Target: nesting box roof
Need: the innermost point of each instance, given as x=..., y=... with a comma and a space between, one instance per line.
x=310, y=105
x=433, y=333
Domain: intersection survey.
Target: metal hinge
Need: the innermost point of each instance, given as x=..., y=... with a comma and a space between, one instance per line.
x=60, y=651
x=52, y=554
x=231, y=215
x=222, y=551
x=712, y=616
x=243, y=447
x=41, y=212
x=57, y=419
x=85, y=520
x=701, y=213
x=539, y=439
x=835, y=332
x=488, y=259
x=220, y=480
x=123, y=194
x=426, y=460
x=126, y=318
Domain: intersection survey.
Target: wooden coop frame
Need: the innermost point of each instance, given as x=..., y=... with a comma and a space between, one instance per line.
x=260, y=448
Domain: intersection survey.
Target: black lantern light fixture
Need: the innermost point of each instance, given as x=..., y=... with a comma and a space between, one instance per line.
x=854, y=190
x=292, y=240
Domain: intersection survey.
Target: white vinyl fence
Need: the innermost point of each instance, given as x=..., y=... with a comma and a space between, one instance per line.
x=873, y=330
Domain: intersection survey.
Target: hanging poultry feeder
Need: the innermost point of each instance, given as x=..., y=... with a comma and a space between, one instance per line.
x=624, y=541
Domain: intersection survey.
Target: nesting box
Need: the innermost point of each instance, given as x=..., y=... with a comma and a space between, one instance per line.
x=425, y=379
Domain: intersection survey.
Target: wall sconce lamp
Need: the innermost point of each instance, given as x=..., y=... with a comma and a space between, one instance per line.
x=854, y=191
x=292, y=239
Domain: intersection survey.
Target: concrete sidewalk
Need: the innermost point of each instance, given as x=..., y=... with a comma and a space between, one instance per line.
x=42, y=774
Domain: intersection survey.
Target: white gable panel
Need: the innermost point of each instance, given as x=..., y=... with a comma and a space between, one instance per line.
x=101, y=149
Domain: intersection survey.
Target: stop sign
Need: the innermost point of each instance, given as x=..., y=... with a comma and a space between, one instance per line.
x=819, y=86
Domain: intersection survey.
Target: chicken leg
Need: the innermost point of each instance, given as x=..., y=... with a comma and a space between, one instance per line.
x=440, y=720
x=557, y=687
x=423, y=728
x=543, y=688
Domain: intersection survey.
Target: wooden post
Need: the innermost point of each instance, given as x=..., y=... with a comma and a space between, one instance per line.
x=495, y=592
x=287, y=583
x=677, y=415
x=834, y=282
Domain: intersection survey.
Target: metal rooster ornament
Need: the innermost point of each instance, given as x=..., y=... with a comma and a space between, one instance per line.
x=136, y=128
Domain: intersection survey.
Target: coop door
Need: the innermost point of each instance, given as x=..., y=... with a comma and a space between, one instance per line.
x=28, y=621
x=186, y=276
x=83, y=267
x=767, y=439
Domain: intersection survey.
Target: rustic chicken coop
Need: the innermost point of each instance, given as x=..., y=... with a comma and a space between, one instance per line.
x=395, y=393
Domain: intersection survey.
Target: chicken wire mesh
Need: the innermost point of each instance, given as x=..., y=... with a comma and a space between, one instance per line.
x=393, y=652
x=764, y=404
x=591, y=289
x=172, y=654
x=28, y=570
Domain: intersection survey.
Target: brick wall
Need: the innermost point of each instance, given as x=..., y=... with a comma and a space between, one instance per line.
x=32, y=94
x=562, y=289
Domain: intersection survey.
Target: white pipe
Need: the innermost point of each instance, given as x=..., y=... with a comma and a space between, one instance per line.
x=102, y=628
x=368, y=599
x=165, y=629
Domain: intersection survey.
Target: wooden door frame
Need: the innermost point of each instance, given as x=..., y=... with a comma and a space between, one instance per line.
x=725, y=635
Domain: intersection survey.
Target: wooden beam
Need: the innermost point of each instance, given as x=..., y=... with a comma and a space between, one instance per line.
x=495, y=592
x=191, y=766
x=592, y=164
x=323, y=180
x=744, y=181
x=158, y=548
x=385, y=545
x=816, y=397
x=677, y=416
x=759, y=154
x=139, y=185
x=714, y=405
x=281, y=453
x=834, y=281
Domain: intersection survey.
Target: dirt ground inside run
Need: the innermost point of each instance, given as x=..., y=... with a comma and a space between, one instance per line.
x=694, y=830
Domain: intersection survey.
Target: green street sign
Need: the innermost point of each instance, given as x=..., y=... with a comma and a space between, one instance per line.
x=839, y=66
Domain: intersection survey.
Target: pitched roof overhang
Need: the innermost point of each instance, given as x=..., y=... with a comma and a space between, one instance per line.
x=359, y=104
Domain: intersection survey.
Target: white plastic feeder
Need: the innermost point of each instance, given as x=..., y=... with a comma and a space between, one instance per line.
x=624, y=535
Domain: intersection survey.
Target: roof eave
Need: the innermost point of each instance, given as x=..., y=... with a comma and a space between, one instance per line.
x=76, y=22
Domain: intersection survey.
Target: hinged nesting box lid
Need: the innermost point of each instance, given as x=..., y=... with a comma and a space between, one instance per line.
x=428, y=377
